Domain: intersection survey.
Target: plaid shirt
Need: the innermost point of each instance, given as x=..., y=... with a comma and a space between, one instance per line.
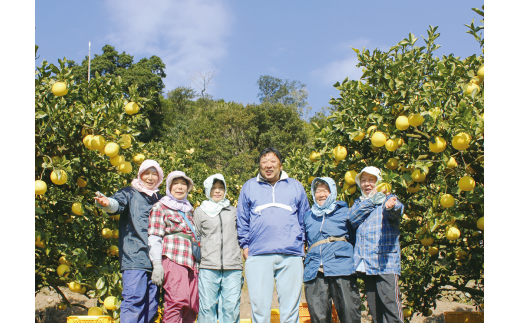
x=377, y=240
x=164, y=222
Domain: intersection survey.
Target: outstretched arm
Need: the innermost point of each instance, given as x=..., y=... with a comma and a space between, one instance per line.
x=392, y=209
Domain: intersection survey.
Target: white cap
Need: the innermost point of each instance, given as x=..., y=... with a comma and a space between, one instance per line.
x=370, y=170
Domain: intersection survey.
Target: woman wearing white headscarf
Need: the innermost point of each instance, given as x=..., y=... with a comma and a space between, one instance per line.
x=220, y=275
x=133, y=203
x=170, y=241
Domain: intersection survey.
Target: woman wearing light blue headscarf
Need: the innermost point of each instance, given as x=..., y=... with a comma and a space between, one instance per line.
x=220, y=274
x=329, y=272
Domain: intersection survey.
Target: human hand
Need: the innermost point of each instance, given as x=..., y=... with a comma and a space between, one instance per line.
x=246, y=253
x=103, y=200
x=158, y=273
x=391, y=202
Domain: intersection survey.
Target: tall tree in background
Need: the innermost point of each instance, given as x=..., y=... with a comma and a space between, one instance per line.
x=289, y=93
x=147, y=74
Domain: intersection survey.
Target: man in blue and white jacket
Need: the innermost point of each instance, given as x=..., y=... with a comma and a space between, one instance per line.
x=377, y=254
x=270, y=229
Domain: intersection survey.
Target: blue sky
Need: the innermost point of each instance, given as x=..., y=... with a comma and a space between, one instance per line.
x=308, y=41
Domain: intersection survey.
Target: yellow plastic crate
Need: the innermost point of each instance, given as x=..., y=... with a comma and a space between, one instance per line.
x=463, y=317
x=305, y=316
x=90, y=319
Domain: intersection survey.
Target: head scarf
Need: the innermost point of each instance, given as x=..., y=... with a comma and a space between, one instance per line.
x=139, y=185
x=170, y=201
x=373, y=171
x=210, y=207
x=330, y=203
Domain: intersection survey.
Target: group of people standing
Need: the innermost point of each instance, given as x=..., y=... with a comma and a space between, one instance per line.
x=274, y=225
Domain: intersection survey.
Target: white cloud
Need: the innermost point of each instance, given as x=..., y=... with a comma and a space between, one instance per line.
x=189, y=36
x=337, y=70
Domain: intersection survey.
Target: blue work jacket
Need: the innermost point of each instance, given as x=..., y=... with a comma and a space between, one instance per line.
x=134, y=213
x=336, y=257
x=377, y=240
x=270, y=217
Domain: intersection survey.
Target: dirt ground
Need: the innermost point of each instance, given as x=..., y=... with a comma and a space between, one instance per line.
x=46, y=307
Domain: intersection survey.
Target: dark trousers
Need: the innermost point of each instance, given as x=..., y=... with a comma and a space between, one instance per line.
x=343, y=290
x=383, y=298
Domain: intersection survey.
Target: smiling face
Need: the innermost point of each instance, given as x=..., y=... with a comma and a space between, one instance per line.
x=321, y=194
x=217, y=191
x=150, y=177
x=179, y=188
x=367, y=182
x=270, y=167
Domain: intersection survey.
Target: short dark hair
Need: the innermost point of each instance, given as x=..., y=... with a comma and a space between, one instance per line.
x=319, y=182
x=270, y=150
x=216, y=180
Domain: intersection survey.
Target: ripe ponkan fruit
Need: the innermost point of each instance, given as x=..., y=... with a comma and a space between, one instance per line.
x=110, y=303
x=383, y=186
x=447, y=200
x=131, y=108
x=59, y=89
x=62, y=177
x=74, y=287
x=77, y=208
x=480, y=72
x=40, y=187
x=359, y=137
x=311, y=178
x=125, y=167
x=433, y=251
x=402, y=123
x=117, y=160
x=415, y=119
x=114, y=250
x=138, y=159
x=126, y=141
x=106, y=233
x=378, y=139
x=480, y=223
x=94, y=311
x=392, y=163
x=81, y=181
x=371, y=129
x=427, y=241
x=400, y=142
x=418, y=176
x=392, y=144
x=111, y=149
x=452, y=233
x=315, y=156
x=349, y=189
x=115, y=233
x=461, y=141
x=98, y=142
x=414, y=189
x=87, y=141
x=438, y=146
x=350, y=177
x=466, y=183
x=470, y=87
x=63, y=270
x=407, y=312
x=62, y=306
x=452, y=163
x=63, y=260
x=340, y=153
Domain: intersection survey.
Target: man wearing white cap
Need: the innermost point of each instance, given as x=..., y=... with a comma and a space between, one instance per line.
x=377, y=254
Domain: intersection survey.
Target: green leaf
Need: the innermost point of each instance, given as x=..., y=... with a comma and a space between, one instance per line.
x=100, y=283
x=40, y=115
x=39, y=210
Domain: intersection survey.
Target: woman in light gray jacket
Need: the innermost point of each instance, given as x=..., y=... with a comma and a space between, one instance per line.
x=220, y=274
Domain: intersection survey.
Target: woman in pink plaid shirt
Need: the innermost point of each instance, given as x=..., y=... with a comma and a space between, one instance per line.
x=170, y=239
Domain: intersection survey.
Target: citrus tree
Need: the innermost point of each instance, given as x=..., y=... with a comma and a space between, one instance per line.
x=420, y=119
x=85, y=141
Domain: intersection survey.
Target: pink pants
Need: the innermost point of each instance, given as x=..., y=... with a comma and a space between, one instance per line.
x=181, y=293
